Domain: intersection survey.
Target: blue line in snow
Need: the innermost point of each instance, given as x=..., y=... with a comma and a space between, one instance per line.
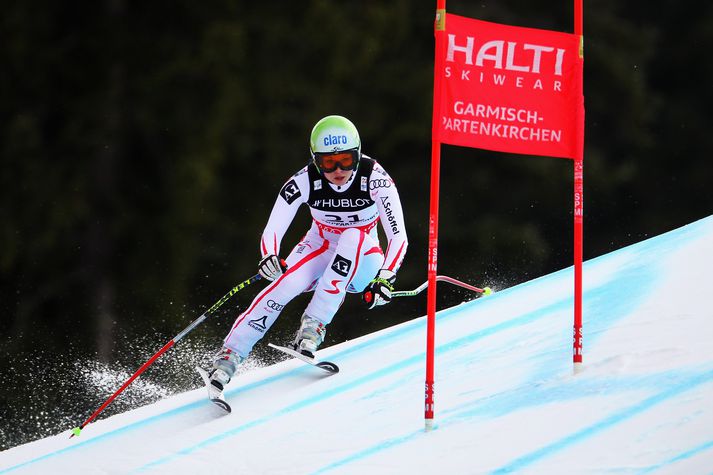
x=682, y=456
x=522, y=462
x=415, y=359
x=381, y=446
x=287, y=410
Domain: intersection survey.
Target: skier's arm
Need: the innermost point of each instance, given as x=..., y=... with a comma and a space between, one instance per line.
x=291, y=196
x=391, y=214
x=384, y=192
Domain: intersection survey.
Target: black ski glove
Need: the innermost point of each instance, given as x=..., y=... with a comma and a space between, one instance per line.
x=378, y=292
x=271, y=267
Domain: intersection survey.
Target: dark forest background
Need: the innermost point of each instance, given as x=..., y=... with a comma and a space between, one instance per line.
x=143, y=145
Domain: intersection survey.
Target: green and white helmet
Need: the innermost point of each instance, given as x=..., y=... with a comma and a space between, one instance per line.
x=334, y=133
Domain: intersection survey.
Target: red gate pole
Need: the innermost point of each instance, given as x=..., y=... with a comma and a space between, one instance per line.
x=440, y=30
x=579, y=196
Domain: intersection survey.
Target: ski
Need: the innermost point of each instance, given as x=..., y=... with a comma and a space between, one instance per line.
x=325, y=365
x=215, y=396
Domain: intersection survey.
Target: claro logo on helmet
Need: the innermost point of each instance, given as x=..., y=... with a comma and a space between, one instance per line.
x=389, y=214
x=335, y=140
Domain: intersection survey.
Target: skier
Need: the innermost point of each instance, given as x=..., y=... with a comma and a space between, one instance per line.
x=347, y=194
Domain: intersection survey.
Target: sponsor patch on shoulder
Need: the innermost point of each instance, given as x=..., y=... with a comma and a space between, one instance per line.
x=290, y=192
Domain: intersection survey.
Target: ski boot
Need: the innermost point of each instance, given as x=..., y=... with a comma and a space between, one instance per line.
x=225, y=363
x=309, y=336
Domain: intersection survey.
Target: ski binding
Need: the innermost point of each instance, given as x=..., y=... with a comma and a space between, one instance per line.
x=325, y=365
x=214, y=394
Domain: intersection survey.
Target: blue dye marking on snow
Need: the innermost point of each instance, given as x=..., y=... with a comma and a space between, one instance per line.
x=416, y=359
x=680, y=457
x=526, y=398
x=380, y=447
x=573, y=388
x=604, y=305
x=314, y=399
x=620, y=416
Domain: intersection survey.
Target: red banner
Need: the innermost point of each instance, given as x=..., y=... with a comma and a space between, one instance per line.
x=510, y=89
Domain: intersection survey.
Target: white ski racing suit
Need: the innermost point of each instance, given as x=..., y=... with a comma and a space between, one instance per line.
x=340, y=253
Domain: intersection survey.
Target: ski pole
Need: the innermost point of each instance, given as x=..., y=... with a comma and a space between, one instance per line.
x=77, y=430
x=441, y=278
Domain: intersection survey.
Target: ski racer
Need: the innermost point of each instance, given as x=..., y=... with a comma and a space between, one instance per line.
x=347, y=193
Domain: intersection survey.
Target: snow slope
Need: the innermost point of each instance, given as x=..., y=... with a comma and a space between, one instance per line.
x=506, y=396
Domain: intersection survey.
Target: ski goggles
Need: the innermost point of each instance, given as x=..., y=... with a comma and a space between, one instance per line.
x=328, y=162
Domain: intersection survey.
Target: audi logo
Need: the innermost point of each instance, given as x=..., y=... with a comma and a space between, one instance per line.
x=275, y=306
x=380, y=183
